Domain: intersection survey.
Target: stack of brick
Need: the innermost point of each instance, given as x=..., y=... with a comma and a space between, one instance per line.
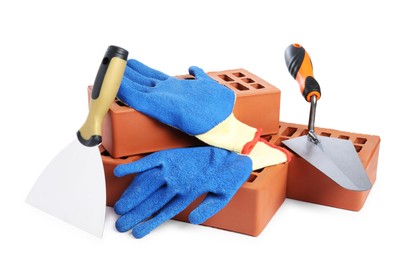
x=129, y=135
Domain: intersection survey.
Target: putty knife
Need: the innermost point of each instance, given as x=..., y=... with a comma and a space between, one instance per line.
x=336, y=158
x=72, y=186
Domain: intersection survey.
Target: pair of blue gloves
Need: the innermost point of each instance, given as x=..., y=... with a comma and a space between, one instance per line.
x=168, y=181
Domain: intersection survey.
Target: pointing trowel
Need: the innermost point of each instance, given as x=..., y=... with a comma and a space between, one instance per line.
x=72, y=186
x=336, y=158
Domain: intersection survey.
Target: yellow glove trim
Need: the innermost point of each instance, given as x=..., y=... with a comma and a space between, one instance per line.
x=230, y=134
x=264, y=154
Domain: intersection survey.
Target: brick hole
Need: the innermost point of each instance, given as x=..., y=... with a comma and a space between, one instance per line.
x=123, y=158
x=279, y=141
x=248, y=80
x=360, y=140
x=105, y=153
x=251, y=178
x=267, y=137
x=304, y=132
x=289, y=131
x=257, y=86
x=345, y=137
x=225, y=77
x=239, y=86
x=259, y=170
x=188, y=77
x=358, y=148
x=120, y=103
x=238, y=74
x=325, y=134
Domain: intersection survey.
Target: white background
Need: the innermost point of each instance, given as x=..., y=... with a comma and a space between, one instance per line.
x=362, y=52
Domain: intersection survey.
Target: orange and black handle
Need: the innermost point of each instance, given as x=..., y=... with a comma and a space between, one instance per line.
x=106, y=85
x=300, y=67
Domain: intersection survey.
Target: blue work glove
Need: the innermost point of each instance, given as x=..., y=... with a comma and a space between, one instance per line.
x=200, y=107
x=170, y=180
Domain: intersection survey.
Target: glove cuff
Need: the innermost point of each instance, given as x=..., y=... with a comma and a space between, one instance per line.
x=231, y=134
x=266, y=154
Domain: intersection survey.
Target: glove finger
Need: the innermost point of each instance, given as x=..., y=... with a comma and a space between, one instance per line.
x=140, y=188
x=145, y=209
x=146, y=163
x=140, y=79
x=198, y=73
x=174, y=207
x=133, y=94
x=211, y=205
x=131, y=90
x=219, y=196
x=146, y=71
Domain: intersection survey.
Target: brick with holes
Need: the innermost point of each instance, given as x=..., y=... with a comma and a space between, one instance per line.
x=306, y=183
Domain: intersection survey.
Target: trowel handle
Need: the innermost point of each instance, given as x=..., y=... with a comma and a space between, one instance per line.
x=104, y=91
x=300, y=67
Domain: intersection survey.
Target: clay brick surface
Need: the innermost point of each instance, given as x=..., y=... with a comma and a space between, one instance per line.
x=306, y=183
x=128, y=132
x=254, y=96
x=248, y=212
x=253, y=206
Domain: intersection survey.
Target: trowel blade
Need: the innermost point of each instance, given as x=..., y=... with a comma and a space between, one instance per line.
x=336, y=158
x=72, y=188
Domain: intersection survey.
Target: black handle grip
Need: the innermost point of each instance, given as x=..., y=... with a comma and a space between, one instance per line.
x=294, y=57
x=112, y=51
x=301, y=69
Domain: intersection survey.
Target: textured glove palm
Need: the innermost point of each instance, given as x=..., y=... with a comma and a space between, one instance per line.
x=193, y=106
x=168, y=181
